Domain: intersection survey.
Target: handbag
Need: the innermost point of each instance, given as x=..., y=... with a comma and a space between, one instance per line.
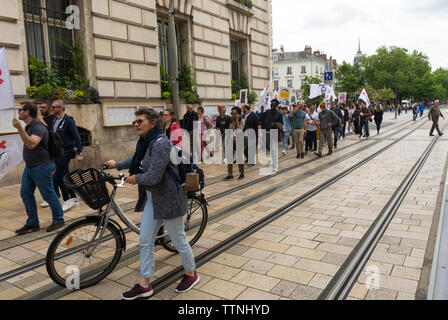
x=191, y=182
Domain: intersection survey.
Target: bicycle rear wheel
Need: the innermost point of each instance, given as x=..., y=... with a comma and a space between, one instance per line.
x=195, y=223
x=67, y=261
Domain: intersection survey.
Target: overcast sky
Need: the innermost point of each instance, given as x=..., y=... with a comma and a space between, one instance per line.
x=334, y=26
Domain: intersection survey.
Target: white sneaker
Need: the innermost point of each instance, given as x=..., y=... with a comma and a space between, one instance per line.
x=67, y=205
x=44, y=204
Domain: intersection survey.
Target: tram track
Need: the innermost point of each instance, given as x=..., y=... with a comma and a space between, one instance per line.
x=216, y=196
x=172, y=276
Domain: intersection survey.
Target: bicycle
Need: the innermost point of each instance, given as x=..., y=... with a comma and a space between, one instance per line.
x=103, y=238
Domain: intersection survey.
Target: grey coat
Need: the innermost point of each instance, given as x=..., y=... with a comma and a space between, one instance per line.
x=169, y=198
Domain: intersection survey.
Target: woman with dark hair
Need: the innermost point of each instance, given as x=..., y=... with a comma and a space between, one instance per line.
x=162, y=200
x=172, y=129
x=236, y=123
x=378, y=117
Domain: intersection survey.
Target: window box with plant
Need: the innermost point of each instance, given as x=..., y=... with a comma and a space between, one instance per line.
x=243, y=6
x=186, y=84
x=243, y=84
x=49, y=83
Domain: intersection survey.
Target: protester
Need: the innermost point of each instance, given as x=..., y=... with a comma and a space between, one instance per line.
x=311, y=130
x=251, y=123
x=236, y=123
x=38, y=171
x=337, y=126
x=378, y=117
x=46, y=113
x=346, y=112
x=298, y=126
x=433, y=115
x=414, y=112
x=286, y=130
x=204, y=124
x=421, y=108
x=171, y=128
x=351, y=122
x=222, y=124
x=326, y=120
x=65, y=126
x=188, y=123
x=274, y=120
x=366, y=117
x=161, y=199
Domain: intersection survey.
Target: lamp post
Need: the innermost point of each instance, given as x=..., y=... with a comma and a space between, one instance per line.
x=174, y=60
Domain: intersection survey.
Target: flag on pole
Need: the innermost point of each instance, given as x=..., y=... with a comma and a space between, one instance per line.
x=6, y=93
x=294, y=98
x=364, y=97
x=11, y=153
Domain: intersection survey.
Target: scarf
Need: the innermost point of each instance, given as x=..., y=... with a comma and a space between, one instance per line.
x=142, y=147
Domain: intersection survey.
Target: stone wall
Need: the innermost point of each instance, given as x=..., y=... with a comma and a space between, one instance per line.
x=12, y=37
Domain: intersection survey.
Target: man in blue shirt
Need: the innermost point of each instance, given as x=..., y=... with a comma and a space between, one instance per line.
x=65, y=127
x=421, y=108
x=298, y=126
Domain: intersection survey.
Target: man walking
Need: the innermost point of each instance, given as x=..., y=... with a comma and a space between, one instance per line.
x=298, y=125
x=65, y=127
x=286, y=130
x=251, y=123
x=38, y=171
x=433, y=115
x=326, y=120
x=188, y=123
x=337, y=126
x=311, y=130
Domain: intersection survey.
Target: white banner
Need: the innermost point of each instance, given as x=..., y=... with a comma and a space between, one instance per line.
x=342, y=97
x=6, y=93
x=11, y=153
x=364, y=97
x=264, y=99
x=317, y=90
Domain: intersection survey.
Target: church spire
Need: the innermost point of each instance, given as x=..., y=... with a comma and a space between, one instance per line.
x=359, y=45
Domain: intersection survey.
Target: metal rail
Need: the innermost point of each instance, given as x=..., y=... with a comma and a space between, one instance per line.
x=235, y=206
x=343, y=281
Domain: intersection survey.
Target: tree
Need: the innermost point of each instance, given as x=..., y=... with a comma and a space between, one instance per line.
x=347, y=80
x=306, y=91
x=440, y=77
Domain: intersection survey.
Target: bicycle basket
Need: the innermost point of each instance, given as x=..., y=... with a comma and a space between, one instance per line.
x=90, y=185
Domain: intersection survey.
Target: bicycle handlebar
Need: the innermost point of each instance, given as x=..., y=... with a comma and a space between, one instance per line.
x=121, y=177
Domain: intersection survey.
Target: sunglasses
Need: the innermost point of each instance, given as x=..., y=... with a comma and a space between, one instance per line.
x=139, y=122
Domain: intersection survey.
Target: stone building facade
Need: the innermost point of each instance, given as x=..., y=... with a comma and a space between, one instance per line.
x=125, y=44
x=291, y=68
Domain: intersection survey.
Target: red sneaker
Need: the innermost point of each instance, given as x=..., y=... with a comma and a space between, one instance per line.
x=188, y=283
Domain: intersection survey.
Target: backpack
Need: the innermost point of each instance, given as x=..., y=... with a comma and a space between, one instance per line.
x=55, y=144
x=186, y=172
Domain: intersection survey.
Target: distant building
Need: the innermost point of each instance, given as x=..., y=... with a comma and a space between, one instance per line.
x=291, y=68
x=359, y=54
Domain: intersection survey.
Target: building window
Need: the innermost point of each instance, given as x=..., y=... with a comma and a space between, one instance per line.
x=235, y=57
x=303, y=69
x=86, y=137
x=162, y=29
x=289, y=83
x=275, y=85
x=276, y=71
x=46, y=32
x=289, y=70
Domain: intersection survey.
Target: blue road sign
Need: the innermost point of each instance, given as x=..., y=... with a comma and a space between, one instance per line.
x=328, y=76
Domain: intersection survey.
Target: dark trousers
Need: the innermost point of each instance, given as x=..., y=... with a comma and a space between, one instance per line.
x=311, y=141
x=343, y=129
x=364, y=125
x=61, y=171
x=336, y=136
x=356, y=125
x=435, y=126
x=378, y=124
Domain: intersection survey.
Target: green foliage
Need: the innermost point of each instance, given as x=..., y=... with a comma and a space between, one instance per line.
x=241, y=84
x=306, y=91
x=235, y=96
x=32, y=91
x=247, y=3
x=348, y=79
x=252, y=95
x=77, y=71
x=187, y=84
x=45, y=91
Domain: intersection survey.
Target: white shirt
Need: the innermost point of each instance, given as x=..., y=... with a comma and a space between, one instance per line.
x=310, y=117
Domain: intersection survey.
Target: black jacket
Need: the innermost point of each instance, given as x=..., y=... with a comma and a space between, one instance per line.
x=188, y=120
x=69, y=134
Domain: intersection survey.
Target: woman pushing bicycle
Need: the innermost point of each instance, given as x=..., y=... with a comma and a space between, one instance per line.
x=162, y=201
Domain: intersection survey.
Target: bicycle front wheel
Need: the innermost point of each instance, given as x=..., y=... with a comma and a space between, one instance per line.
x=195, y=223
x=73, y=261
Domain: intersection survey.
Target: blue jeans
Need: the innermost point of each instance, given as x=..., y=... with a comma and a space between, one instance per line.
x=148, y=231
x=40, y=176
x=365, y=125
x=336, y=136
x=286, y=140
